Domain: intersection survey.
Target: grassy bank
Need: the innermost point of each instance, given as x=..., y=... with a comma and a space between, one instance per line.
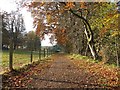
x=105, y=74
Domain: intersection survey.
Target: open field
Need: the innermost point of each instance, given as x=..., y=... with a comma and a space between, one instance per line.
x=20, y=58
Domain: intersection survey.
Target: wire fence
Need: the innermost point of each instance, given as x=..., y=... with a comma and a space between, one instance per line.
x=24, y=57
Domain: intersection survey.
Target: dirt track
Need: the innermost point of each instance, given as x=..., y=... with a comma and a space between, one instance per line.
x=62, y=74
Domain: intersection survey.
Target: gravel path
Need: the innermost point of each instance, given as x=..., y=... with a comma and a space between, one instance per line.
x=61, y=74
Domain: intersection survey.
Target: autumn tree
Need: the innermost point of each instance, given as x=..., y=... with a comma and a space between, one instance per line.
x=13, y=26
x=5, y=33
x=103, y=21
x=86, y=27
x=55, y=8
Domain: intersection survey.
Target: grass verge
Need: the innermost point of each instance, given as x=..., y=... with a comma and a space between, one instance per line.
x=101, y=73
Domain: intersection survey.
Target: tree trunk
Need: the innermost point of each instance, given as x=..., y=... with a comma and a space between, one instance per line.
x=90, y=43
x=86, y=50
x=117, y=57
x=89, y=35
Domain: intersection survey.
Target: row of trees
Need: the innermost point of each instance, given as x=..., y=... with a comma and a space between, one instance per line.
x=13, y=28
x=87, y=28
x=14, y=36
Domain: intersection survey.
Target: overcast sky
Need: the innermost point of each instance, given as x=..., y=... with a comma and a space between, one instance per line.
x=10, y=5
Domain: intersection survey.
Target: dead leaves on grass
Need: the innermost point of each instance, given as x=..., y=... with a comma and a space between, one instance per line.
x=25, y=76
x=99, y=73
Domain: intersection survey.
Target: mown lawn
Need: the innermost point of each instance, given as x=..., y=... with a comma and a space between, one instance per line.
x=20, y=58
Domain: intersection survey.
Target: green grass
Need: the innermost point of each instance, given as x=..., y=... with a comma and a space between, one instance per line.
x=80, y=57
x=20, y=58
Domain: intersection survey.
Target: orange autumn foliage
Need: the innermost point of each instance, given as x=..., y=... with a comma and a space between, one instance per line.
x=61, y=36
x=83, y=5
x=69, y=5
x=38, y=28
x=102, y=32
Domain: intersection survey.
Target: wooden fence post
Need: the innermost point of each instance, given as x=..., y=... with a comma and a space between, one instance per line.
x=40, y=51
x=11, y=49
x=11, y=56
x=47, y=52
x=31, y=56
x=44, y=52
